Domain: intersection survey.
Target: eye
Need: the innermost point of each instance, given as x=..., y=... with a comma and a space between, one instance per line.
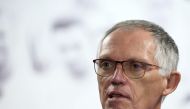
x=136, y=66
x=106, y=65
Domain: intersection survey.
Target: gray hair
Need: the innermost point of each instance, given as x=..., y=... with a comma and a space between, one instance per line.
x=166, y=53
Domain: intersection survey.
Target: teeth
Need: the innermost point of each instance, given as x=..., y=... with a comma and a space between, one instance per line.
x=115, y=95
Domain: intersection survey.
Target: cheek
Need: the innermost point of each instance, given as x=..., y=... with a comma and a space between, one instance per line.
x=148, y=90
x=102, y=83
x=153, y=81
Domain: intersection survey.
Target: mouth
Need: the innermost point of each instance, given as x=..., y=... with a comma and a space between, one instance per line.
x=118, y=94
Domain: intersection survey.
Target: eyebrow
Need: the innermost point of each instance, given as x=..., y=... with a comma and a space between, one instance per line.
x=139, y=60
x=105, y=57
x=129, y=59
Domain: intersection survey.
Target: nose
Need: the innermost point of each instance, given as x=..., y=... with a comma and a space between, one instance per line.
x=118, y=77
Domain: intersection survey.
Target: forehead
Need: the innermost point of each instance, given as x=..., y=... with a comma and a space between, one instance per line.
x=123, y=44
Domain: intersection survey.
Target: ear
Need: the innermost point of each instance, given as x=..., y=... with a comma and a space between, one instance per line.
x=172, y=83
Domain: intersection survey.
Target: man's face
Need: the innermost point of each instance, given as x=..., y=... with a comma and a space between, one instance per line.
x=121, y=92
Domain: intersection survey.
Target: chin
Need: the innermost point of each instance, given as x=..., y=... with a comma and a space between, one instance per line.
x=117, y=105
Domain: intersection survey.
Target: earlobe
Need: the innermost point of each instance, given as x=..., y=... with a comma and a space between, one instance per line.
x=172, y=83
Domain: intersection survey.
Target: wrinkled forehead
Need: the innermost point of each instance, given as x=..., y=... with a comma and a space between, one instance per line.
x=128, y=43
x=129, y=34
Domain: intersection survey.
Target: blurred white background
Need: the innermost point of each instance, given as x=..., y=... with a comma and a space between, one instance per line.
x=47, y=47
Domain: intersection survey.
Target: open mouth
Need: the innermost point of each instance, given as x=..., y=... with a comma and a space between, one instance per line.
x=116, y=94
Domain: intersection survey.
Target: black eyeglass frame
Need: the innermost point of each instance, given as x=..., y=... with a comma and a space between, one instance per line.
x=146, y=67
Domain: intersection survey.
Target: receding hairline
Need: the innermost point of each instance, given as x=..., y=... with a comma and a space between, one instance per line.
x=130, y=30
x=127, y=29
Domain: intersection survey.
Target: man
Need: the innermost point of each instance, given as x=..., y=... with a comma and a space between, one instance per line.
x=136, y=66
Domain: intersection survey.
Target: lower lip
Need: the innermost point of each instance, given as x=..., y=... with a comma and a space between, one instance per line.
x=118, y=99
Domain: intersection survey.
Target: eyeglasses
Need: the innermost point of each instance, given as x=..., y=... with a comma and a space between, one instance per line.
x=131, y=68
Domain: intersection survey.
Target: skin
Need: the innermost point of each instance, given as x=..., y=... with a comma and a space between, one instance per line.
x=142, y=93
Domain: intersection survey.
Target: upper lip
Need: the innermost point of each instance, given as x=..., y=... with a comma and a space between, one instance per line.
x=114, y=93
